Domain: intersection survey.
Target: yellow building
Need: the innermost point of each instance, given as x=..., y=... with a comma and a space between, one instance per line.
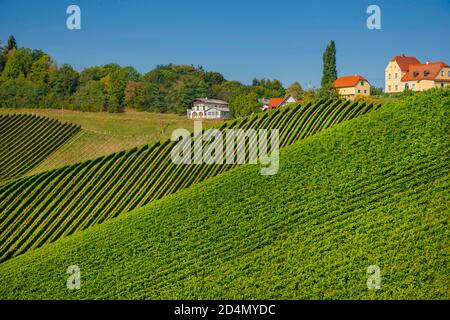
x=395, y=70
x=351, y=86
x=407, y=73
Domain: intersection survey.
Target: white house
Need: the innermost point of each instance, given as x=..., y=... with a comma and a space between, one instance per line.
x=209, y=109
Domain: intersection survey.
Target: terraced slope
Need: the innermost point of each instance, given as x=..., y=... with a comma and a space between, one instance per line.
x=26, y=140
x=43, y=208
x=373, y=191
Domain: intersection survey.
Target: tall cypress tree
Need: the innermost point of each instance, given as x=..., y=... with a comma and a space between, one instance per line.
x=329, y=73
x=2, y=57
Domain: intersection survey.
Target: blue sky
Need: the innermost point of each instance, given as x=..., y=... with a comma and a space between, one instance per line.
x=243, y=39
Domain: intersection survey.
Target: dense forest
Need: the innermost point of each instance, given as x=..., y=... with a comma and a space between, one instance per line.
x=31, y=78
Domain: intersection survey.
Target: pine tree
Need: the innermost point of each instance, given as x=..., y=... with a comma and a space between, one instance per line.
x=11, y=43
x=329, y=73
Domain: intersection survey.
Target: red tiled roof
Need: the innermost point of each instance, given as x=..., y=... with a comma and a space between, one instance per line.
x=348, y=81
x=275, y=102
x=404, y=62
x=424, y=71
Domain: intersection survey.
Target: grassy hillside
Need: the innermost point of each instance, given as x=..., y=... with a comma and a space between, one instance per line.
x=26, y=140
x=106, y=133
x=372, y=191
x=43, y=208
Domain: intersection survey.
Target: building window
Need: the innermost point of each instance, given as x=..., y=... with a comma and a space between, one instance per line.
x=389, y=88
x=389, y=76
x=448, y=73
x=396, y=87
x=359, y=91
x=442, y=84
x=396, y=76
x=365, y=91
x=412, y=85
x=362, y=83
x=442, y=73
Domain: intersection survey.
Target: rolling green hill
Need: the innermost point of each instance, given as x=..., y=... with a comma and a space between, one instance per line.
x=48, y=206
x=26, y=140
x=372, y=191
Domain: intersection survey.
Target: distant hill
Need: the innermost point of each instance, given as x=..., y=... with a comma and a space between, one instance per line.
x=372, y=191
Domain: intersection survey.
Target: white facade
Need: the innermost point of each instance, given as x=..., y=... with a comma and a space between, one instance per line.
x=209, y=109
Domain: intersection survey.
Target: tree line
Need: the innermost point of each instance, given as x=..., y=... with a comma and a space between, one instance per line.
x=31, y=78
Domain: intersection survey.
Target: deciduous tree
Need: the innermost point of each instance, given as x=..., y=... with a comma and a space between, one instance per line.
x=244, y=104
x=295, y=90
x=18, y=64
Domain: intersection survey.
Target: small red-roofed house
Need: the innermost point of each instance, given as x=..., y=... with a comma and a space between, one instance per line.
x=274, y=103
x=351, y=86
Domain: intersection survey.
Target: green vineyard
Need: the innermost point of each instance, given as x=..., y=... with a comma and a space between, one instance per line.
x=26, y=140
x=48, y=206
x=369, y=192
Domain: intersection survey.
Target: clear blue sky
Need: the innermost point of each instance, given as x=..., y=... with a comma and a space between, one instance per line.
x=241, y=39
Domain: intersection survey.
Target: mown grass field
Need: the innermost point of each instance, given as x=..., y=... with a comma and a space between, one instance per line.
x=46, y=207
x=372, y=191
x=26, y=140
x=105, y=133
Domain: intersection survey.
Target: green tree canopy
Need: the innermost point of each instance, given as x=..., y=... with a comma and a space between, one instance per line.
x=116, y=87
x=213, y=78
x=166, y=88
x=16, y=93
x=18, y=65
x=295, y=90
x=185, y=91
x=145, y=96
x=91, y=73
x=90, y=97
x=40, y=70
x=64, y=81
x=244, y=104
x=266, y=88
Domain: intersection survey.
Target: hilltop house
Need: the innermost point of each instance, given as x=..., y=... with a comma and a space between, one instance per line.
x=273, y=103
x=407, y=73
x=208, y=109
x=351, y=86
x=395, y=70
